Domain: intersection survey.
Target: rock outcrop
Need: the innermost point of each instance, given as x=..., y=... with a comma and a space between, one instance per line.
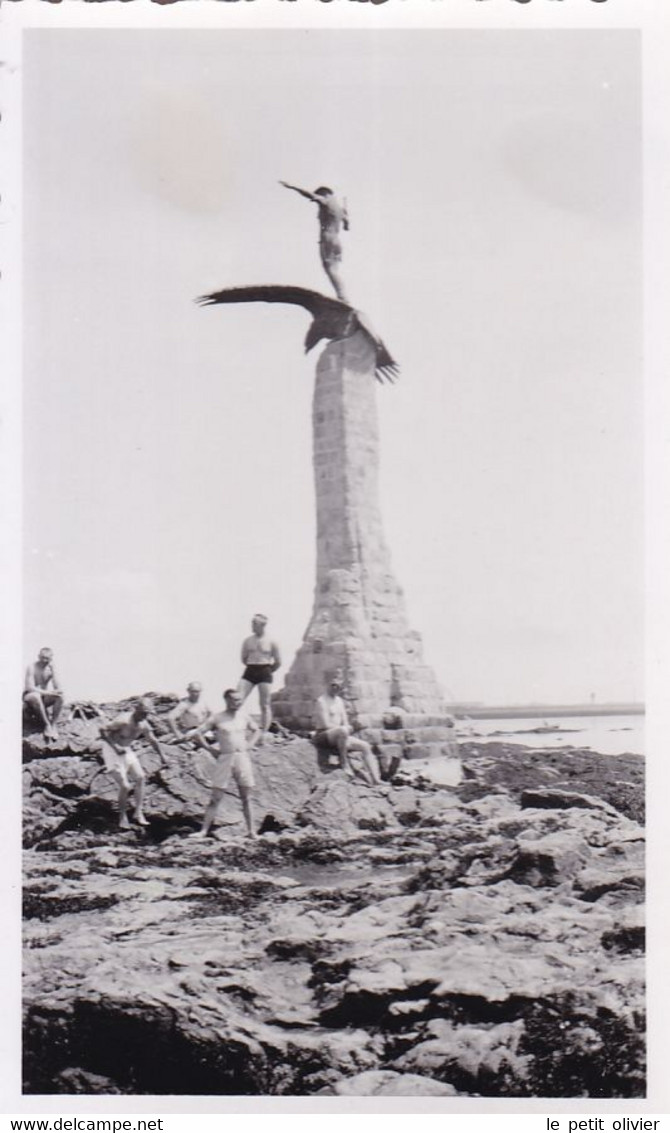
x=404, y=940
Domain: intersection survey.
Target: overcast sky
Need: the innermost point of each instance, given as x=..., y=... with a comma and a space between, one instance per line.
x=493, y=182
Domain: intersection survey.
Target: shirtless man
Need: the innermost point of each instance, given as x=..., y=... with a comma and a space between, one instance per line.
x=332, y=217
x=42, y=692
x=235, y=733
x=260, y=657
x=187, y=716
x=118, y=737
x=334, y=730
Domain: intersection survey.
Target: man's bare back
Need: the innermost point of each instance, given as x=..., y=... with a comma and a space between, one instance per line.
x=124, y=730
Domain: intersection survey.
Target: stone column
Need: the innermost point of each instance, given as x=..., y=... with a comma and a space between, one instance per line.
x=358, y=624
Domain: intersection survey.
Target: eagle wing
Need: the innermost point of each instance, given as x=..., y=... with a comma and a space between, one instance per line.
x=312, y=301
x=333, y=317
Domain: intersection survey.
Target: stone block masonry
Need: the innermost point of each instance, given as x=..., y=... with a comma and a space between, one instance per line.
x=359, y=625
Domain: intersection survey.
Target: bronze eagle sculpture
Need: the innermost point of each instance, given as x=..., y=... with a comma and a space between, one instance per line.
x=332, y=318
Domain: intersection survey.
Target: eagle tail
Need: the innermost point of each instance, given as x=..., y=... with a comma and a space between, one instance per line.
x=387, y=372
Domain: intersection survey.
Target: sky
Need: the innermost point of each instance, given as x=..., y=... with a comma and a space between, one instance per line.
x=493, y=182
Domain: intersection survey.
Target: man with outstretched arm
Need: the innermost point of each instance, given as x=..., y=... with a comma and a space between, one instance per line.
x=334, y=731
x=235, y=733
x=42, y=692
x=260, y=657
x=332, y=217
x=122, y=762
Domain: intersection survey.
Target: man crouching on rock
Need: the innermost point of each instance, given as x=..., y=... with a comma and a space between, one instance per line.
x=117, y=738
x=235, y=733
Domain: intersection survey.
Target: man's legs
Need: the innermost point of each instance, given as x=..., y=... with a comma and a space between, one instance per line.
x=210, y=813
x=245, y=796
x=339, y=739
x=56, y=702
x=331, y=266
x=264, y=690
x=35, y=702
x=244, y=688
x=369, y=759
x=124, y=791
x=139, y=781
x=50, y=708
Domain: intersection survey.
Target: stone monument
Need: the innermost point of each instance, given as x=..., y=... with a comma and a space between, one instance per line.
x=359, y=626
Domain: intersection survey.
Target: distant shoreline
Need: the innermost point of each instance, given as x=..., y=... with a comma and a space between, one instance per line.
x=541, y=711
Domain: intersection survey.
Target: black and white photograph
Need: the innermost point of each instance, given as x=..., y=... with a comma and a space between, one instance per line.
x=331, y=672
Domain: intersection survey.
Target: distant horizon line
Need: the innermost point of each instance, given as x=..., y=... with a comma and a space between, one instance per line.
x=482, y=708
x=542, y=703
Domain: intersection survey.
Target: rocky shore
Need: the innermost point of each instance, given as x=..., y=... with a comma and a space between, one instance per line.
x=481, y=940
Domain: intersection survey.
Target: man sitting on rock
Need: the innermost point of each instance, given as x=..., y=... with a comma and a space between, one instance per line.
x=334, y=731
x=42, y=692
x=185, y=719
x=122, y=762
x=235, y=732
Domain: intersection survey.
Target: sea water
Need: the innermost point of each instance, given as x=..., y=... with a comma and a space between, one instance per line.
x=609, y=735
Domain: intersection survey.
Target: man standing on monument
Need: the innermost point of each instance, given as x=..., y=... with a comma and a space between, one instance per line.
x=235, y=733
x=260, y=657
x=334, y=731
x=332, y=217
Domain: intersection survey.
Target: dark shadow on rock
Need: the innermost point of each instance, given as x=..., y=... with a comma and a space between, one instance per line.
x=628, y=938
x=160, y=829
x=44, y=907
x=270, y=825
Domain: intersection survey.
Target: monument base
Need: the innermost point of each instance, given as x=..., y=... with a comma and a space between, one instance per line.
x=376, y=688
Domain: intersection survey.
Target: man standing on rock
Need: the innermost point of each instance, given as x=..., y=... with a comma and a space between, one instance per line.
x=122, y=762
x=188, y=715
x=260, y=657
x=334, y=731
x=42, y=692
x=235, y=733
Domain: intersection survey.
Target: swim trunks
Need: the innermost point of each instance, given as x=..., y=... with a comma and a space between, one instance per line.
x=123, y=766
x=258, y=674
x=325, y=737
x=237, y=765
